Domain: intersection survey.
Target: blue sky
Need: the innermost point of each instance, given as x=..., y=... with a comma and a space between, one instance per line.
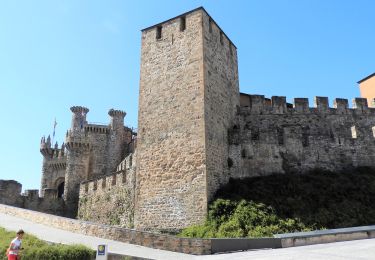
x=55, y=54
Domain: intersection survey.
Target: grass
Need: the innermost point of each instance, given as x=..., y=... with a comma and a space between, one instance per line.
x=35, y=248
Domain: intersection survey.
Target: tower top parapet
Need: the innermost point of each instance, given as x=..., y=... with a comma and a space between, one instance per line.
x=116, y=113
x=79, y=109
x=186, y=14
x=50, y=152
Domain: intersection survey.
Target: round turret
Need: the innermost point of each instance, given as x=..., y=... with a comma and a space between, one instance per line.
x=78, y=117
x=117, y=118
x=79, y=109
x=45, y=147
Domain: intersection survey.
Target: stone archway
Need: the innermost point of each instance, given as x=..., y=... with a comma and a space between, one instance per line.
x=60, y=190
x=59, y=184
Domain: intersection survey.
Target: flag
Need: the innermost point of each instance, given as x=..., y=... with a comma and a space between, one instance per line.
x=54, y=127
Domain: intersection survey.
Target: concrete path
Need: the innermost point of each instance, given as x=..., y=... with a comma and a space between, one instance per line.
x=353, y=250
x=65, y=237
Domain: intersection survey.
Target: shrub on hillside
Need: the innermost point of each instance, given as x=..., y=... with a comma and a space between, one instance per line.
x=242, y=219
x=282, y=203
x=320, y=198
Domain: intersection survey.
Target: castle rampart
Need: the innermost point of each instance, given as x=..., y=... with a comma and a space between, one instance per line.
x=276, y=139
x=110, y=199
x=10, y=194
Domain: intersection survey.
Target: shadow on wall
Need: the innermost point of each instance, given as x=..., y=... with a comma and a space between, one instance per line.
x=321, y=198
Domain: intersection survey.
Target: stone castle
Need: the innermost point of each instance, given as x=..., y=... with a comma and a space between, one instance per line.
x=195, y=132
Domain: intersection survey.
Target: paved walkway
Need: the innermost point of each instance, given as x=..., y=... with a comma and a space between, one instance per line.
x=353, y=250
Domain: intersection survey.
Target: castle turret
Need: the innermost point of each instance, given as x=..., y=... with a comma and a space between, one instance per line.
x=53, y=164
x=117, y=119
x=116, y=143
x=78, y=146
x=78, y=117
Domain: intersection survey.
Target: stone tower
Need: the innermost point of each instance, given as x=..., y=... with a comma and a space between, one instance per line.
x=94, y=150
x=116, y=151
x=53, y=168
x=78, y=145
x=188, y=99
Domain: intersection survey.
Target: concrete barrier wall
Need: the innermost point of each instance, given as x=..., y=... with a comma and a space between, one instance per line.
x=241, y=244
x=326, y=236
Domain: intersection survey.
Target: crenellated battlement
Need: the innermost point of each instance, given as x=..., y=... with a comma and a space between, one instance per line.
x=10, y=194
x=48, y=194
x=105, y=183
x=56, y=153
x=127, y=163
x=79, y=110
x=76, y=139
x=258, y=104
x=116, y=113
x=272, y=136
x=115, y=193
x=94, y=128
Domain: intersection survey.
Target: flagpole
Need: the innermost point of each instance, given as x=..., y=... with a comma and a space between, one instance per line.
x=53, y=135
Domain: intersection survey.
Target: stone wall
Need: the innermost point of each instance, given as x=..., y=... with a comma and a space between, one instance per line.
x=221, y=99
x=159, y=241
x=110, y=199
x=10, y=194
x=272, y=138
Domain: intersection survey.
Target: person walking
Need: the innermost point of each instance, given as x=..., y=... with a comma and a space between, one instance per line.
x=13, y=251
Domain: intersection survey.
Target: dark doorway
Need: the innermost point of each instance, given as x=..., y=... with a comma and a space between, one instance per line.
x=60, y=190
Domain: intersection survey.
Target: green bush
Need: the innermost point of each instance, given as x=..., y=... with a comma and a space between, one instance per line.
x=38, y=249
x=55, y=252
x=322, y=199
x=283, y=203
x=242, y=219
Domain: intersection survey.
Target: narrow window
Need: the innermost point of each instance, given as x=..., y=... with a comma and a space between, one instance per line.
x=210, y=25
x=182, y=23
x=230, y=162
x=221, y=38
x=243, y=153
x=280, y=136
x=158, y=32
x=354, y=131
x=104, y=183
x=114, y=180
x=373, y=131
x=255, y=134
x=331, y=135
x=305, y=136
x=124, y=177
